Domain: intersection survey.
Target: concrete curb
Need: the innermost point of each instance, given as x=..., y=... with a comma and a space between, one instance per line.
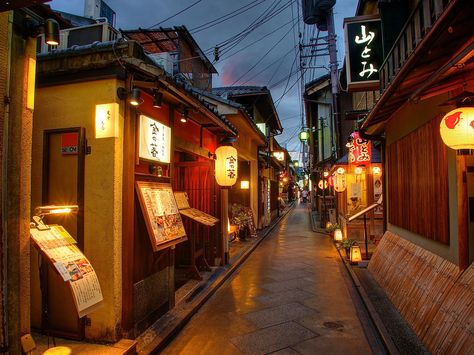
x=374, y=316
x=171, y=327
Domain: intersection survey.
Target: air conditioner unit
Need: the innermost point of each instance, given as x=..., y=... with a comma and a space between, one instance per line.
x=80, y=36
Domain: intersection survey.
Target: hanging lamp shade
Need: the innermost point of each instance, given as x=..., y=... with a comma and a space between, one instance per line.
x=355, y=255
x=457, y=128
x=304, y=135
x=226, y=166
x=338, y=235
x=340, y=180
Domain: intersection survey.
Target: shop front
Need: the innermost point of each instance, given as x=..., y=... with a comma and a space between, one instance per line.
x=119, y=140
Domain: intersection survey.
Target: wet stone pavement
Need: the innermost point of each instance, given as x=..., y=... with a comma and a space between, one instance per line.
x=289, y=297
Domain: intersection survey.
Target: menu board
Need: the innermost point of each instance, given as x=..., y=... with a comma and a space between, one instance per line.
x=193, y=213
x=162, y=218
x=71, y=264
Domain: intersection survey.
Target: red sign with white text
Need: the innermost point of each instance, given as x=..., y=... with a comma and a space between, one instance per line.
x=360, y=150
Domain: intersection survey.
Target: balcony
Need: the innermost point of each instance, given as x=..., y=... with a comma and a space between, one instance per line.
x=418, y=26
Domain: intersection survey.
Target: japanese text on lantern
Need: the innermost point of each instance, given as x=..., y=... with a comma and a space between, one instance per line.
x=359, y=151
x=365, y=39
x=231, y=166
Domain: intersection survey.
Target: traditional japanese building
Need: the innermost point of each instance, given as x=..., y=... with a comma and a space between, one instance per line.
x=259, y=103
x=424, y=261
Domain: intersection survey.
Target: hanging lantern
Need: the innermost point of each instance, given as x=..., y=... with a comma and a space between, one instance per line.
x=376, y=170
x=320, y=184
x=341, y=170
x=296, y=163
x=226, y=165
x=304, y=135
x=358, y=170
x=457, y=128
x=340, y=180
x=331, y=181
x=338, y=235
x=355, y=255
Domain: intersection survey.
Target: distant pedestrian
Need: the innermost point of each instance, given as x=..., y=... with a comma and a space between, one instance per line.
x=304, y=196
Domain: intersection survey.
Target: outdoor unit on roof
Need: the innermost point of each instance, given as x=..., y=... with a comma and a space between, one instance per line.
x=80, y=36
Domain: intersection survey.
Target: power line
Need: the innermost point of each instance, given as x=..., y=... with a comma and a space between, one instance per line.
x=176, y=14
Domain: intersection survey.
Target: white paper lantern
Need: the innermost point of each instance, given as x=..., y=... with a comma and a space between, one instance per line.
x=338, y=235
x=226, y=165
x=340, y=182
x=457, y=128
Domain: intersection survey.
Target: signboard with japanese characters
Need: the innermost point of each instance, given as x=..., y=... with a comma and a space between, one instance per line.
x=364, y=52
x=160, y=211
x=359, y=150
x=155, y=140
x=106, y=120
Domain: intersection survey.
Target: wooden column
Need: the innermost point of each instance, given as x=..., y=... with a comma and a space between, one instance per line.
x=463, y=231
x=128, y=214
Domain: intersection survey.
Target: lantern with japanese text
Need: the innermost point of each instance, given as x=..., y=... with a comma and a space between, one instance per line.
x=340, y=180
x=322, y=183
x=338, y=235
x=226, y=166
x=355, y=255
x=457, y=128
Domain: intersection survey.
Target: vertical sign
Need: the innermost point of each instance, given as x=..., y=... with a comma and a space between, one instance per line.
x=155, y=139
x=364, y=54
x=359, y=150
x=106, y=120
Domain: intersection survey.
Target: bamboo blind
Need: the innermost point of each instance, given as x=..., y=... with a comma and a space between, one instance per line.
x=418, y=183
x=433, y=296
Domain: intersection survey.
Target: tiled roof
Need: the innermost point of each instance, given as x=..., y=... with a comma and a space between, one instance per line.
x=229, y=91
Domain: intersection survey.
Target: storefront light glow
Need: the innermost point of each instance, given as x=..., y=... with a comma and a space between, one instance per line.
x=358, y=170
x=355, y=254
x=244, y=184
x=321, y=184
x=226, y=166
x=457, y=128
x=341, y=170
x=338, y=235
x=285, y=179
x=279, y=155
x=376, y=170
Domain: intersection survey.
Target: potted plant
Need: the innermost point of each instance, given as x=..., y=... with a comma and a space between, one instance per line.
x=346, y=245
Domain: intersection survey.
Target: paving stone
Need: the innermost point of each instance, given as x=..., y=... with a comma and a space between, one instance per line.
x=272, y=338
x=286, y=351
x=333, y=345
x=279, y=314
x=301, y=283
x=284, y=297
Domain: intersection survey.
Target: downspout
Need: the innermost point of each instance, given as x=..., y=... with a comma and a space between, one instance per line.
x=380, y=138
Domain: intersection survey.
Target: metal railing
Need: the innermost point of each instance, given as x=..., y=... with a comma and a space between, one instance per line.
x=416, y=28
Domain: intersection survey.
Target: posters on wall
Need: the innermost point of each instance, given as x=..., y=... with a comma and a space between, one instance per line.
x=378, y=193
x=162, y=217
x=72, y=265
x=186, y=210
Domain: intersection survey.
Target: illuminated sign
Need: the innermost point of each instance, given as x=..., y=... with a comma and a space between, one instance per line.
x=155, y=139
x=279, y=155
x=106, y=120
x=359, y=150
x=364, y=55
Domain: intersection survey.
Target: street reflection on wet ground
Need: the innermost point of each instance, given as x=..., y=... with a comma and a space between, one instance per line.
x=288, y=297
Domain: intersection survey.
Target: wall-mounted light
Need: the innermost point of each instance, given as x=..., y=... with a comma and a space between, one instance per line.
x=50, y=28
x=304, y=135
x=355, y=254
x=42, y=211
x=134, y=96
x=326, y=173
x=296, y=163
x=157, y=98
x=341, y=170
x=358, y=170
x=376, y=170
x=51, y=32
x=244, y=184
x=184, y=115
x=338, y=235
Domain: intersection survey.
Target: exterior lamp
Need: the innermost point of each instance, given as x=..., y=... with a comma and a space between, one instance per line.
x=42, y=211
x=244, y=184
x=341, y=170
x=226, y=166
x=157, y=98
x=328, y=225
x=184, y=115
x=457, y=128
x=296, y=163
x=326, y=174
x=376, y=170
x=285, y=179
x=135, y=97
x=321, y=184
x=355, y=255
x=51, y=32
x=304, y=135
x=358, y=170
x=338, y=235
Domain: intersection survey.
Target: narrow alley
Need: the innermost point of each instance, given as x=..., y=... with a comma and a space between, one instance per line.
x=290, y=296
